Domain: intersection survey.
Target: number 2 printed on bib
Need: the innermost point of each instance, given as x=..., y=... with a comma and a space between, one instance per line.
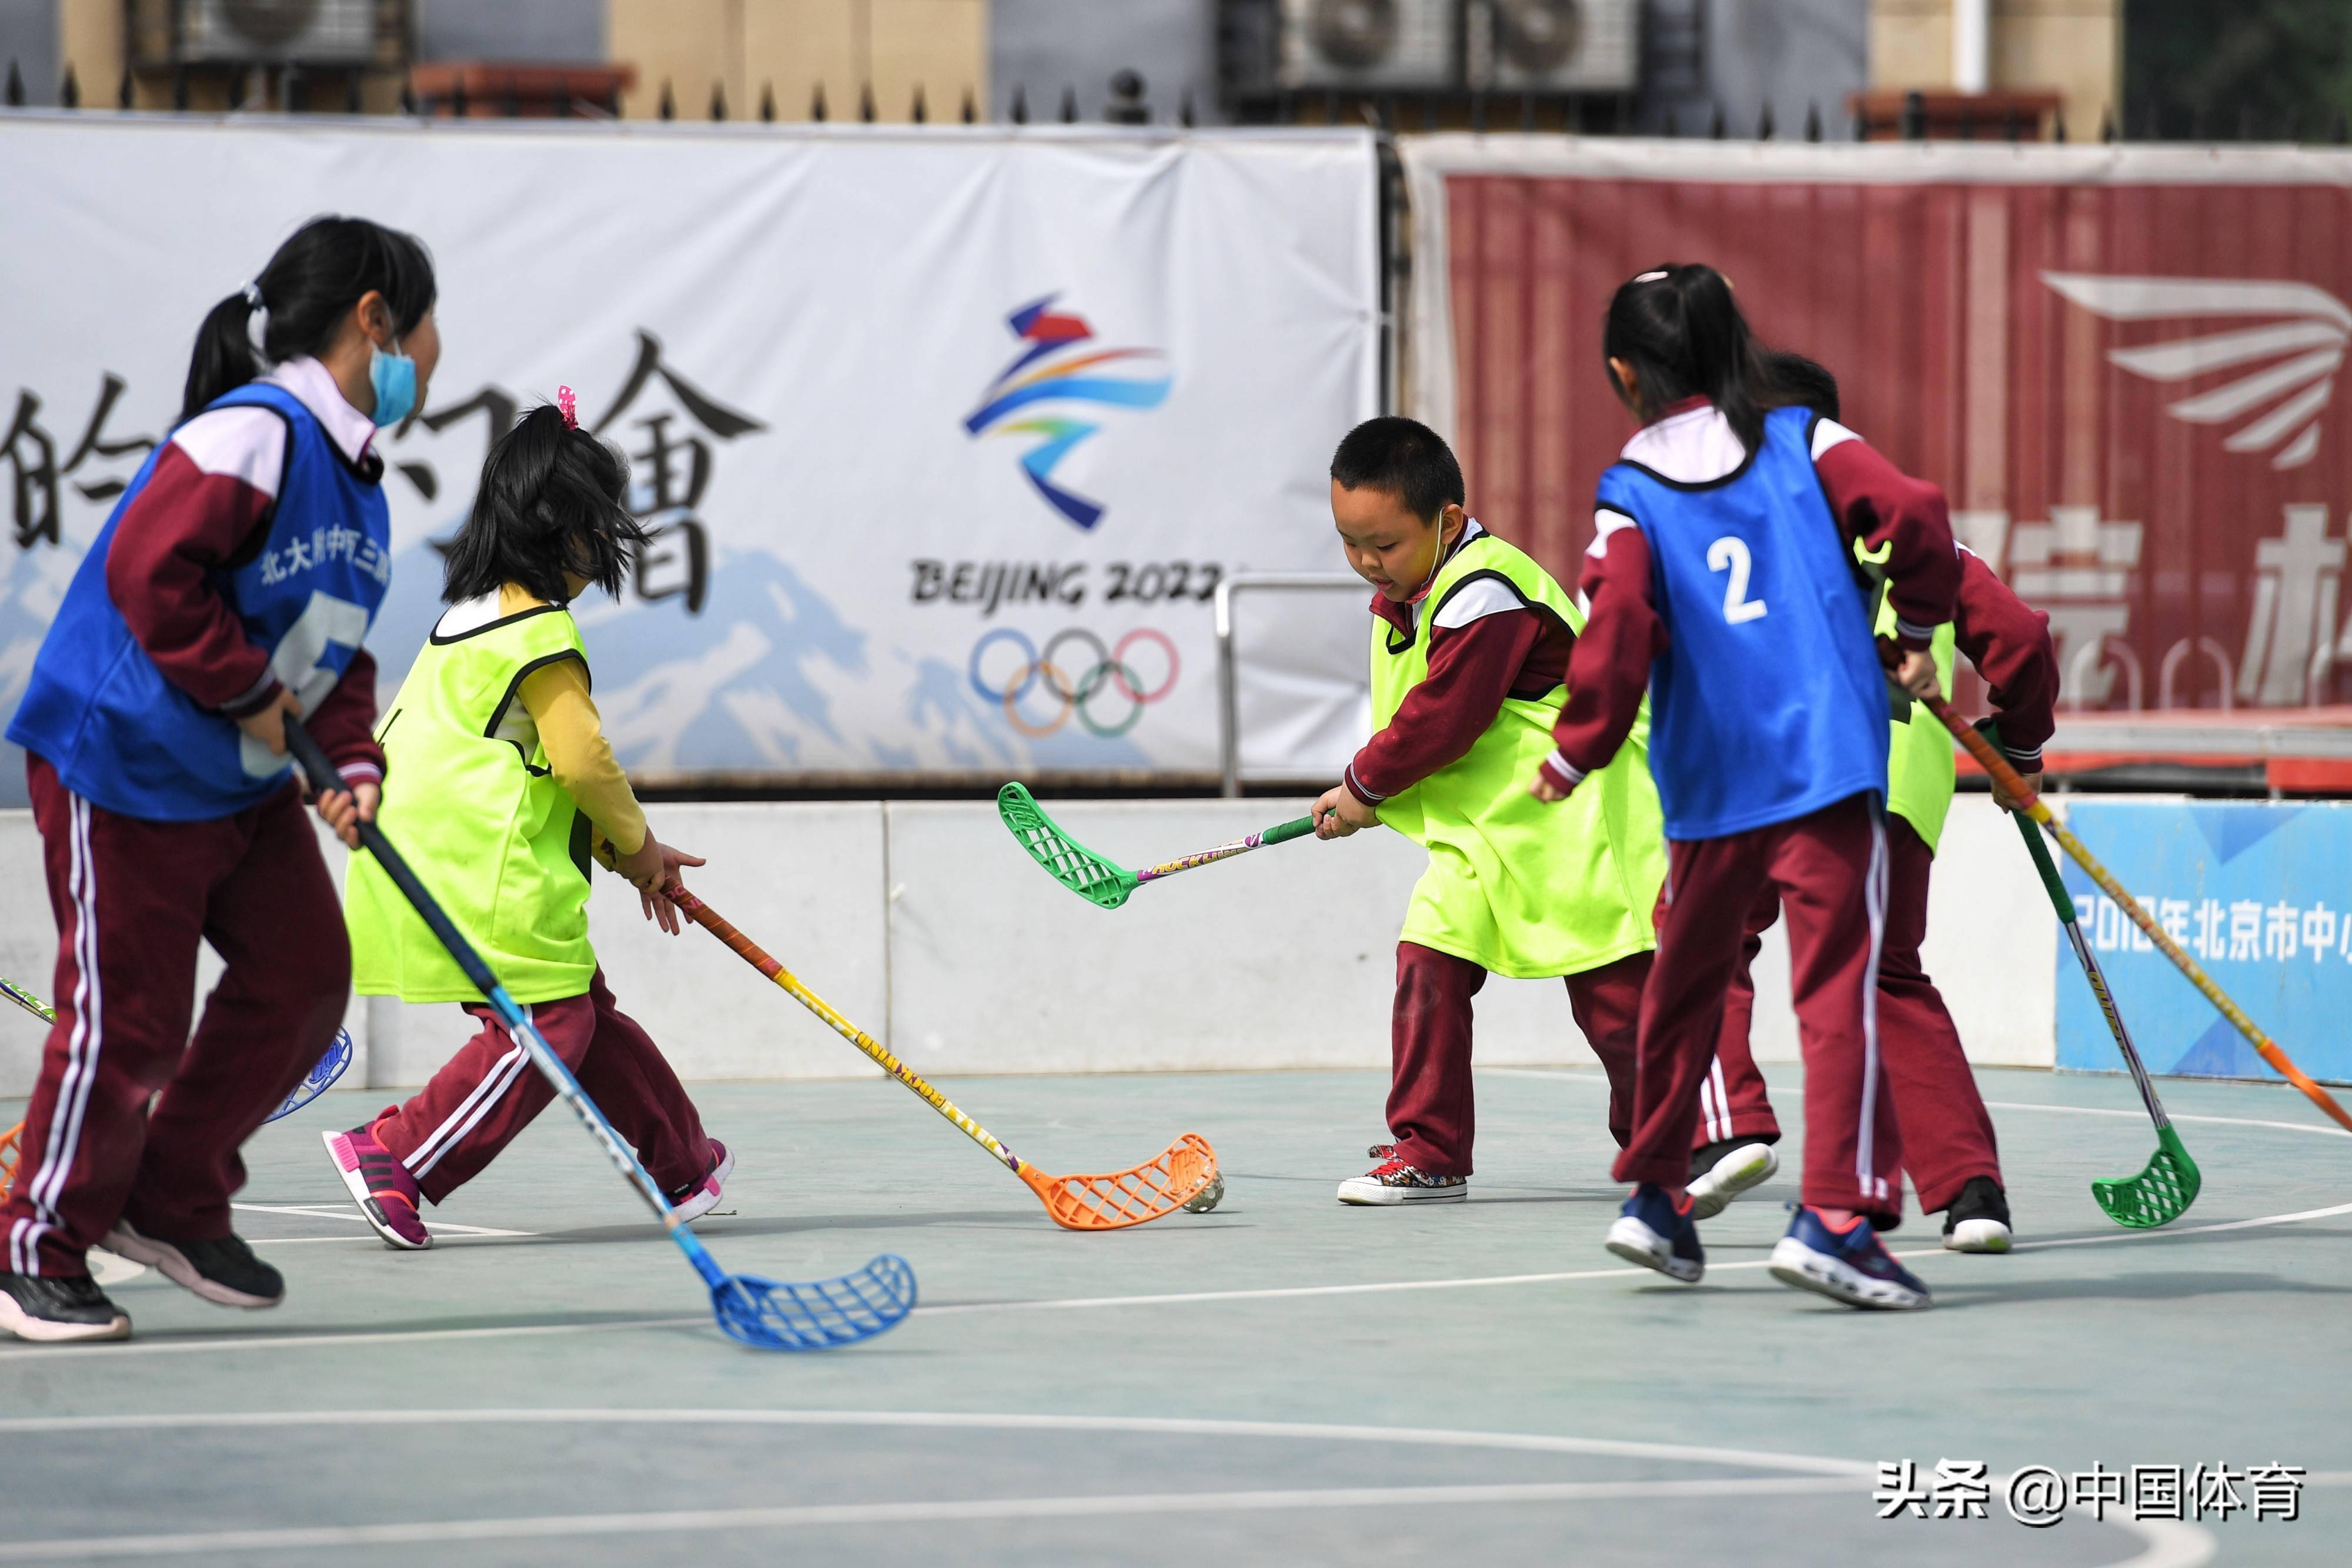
x=1730, y=553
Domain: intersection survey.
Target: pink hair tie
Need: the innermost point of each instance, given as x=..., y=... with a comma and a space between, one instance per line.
x=569, y=406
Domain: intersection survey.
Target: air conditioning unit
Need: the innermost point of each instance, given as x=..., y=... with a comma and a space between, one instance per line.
x=1370, y=45
x=250, y=32
x=1555, y=45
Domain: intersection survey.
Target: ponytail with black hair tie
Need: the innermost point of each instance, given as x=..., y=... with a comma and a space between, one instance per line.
x=300, y=301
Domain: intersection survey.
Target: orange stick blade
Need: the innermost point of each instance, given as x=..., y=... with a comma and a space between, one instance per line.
x=1184, y=1170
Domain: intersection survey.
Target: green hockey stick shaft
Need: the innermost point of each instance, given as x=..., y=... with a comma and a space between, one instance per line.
x=2063, y=903
x=28, y=1000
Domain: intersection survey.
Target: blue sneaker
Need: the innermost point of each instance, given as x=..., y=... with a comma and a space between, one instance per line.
x=1650, y=1232
x=1854, y=1268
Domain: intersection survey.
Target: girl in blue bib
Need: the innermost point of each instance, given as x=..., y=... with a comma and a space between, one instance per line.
x=229, y=592
x=1723, y=582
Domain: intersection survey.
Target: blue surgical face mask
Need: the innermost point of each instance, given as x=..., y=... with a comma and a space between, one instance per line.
x=394, y=377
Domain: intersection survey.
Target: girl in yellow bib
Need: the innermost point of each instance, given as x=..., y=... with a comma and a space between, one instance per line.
x=500, y=786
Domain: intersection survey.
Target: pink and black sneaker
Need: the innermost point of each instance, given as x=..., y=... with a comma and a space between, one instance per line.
x=694, y=1202
x=387, y=1194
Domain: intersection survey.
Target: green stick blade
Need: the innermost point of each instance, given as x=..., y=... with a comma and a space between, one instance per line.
x=1066, y=859
x=2159, y=1194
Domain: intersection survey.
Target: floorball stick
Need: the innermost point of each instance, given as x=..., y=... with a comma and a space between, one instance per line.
x=329, y=1066
x=1099, y=881
x=769, y=1313
x=2002, y=774
x=1184, y=1175
x=2163, y=1192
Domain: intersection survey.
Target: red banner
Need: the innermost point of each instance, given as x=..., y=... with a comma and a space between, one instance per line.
x=2119, y=365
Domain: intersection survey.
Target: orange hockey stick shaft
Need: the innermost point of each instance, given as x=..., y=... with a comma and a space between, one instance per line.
x=1075, y=1202
x=1998, y=767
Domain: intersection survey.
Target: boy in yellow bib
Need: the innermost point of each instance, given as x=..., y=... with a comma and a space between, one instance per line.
x=1469, y=648
x=499, y=785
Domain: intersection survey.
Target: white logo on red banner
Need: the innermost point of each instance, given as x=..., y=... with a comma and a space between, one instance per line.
x=2289, y=365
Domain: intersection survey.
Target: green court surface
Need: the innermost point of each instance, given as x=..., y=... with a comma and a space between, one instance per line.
x=1283, y=1381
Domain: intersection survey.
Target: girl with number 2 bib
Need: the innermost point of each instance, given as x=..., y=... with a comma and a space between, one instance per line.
x=1723, y=580
x=228, y=592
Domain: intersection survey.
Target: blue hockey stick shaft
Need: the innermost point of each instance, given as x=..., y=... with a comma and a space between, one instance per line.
x=322, y=775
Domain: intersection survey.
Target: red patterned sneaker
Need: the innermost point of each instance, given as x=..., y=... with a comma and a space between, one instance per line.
x=387, y=1194
x=1393, y=1181
x=694, y=1202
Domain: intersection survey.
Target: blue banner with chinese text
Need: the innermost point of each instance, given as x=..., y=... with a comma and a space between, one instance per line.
x=2259, y=894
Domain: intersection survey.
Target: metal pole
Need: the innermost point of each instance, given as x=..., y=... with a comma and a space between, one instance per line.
x=1972, y=44
x=1229, y=740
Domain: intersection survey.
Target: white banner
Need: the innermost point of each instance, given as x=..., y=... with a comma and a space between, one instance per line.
x=949, y=435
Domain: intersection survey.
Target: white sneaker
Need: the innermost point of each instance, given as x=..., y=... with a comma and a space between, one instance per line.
x=1393, y=1181
x=1750, y=1165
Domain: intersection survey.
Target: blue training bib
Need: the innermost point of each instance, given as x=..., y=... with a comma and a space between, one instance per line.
x=1768, y=703
x=121, y=735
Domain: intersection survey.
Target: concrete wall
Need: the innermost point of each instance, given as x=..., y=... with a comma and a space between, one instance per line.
x=28, y=40
x=532, y=31
x=1792, y=55
x=924, y=924
x=1046, y=46
x=790, y=47
x=2072, y=46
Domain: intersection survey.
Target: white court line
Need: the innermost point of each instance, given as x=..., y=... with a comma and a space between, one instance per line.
x=1595, y=1079
x=820, y=1515
x=333, y=1211
x=291, y=1342
x=2167, y=1545
x=1156, y=1425
x=2173, y=1115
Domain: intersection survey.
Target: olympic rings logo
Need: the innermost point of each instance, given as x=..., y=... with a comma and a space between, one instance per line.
x=1110, y=673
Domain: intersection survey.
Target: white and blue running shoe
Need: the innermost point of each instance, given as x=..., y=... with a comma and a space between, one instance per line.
x=1854, y=1268
x=1649, y=1231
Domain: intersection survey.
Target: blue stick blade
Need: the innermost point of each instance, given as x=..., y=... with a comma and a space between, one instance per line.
x=823, y=1314
x=317, y=1080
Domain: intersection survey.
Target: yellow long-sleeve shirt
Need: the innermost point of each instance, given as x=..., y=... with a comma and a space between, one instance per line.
x=572, y=734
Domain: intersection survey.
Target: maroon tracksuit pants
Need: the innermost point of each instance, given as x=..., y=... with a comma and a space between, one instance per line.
x=133, y=900
x=1829, y=870
x=1947, y=1134
x=488, y=1093
x=1433, y=1110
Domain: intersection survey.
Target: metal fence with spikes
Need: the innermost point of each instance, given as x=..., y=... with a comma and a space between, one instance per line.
x=596, y=91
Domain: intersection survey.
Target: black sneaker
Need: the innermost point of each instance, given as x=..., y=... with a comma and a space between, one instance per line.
x=1977, y=1220
x=224, y=1271
x=1706, y=1157
x=61, y=1310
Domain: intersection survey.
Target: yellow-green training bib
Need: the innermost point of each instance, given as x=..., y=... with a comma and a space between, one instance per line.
x=468, y=799
x=1920, y=775
x=1521, y=888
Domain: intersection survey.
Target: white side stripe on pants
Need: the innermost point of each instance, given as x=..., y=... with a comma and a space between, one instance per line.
x=47, y=1183
x=502, y=1077
x=1874, y=900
